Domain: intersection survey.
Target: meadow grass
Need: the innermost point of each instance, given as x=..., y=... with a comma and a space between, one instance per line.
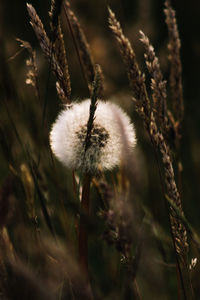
x=88, y=230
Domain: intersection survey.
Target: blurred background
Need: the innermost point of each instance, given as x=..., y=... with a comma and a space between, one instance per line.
x=21, y=119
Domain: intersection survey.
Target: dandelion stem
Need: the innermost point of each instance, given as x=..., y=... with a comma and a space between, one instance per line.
x=83, y=232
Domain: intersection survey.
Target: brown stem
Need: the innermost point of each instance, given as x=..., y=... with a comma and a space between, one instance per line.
x=83, y=232
x=137, y=294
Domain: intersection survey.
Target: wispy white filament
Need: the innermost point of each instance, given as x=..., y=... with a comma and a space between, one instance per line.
x=112, y=127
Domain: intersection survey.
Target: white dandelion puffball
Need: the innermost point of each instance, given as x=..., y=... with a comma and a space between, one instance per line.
x=112, y=129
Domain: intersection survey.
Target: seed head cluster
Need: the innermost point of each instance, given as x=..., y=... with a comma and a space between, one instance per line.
x=110, y=129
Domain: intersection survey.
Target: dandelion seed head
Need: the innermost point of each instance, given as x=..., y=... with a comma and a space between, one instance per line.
x=105, y=149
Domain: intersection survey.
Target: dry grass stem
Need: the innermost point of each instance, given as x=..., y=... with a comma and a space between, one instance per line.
x=168, y=167
x=176, y=87
x=47, y=49
x=158, y=84
x=152, y=117
x=59, y=48
x=136, y=78
x=178, y=229
x=28, y=183
x=96, y=88
x=83, y=48
x=176, y=66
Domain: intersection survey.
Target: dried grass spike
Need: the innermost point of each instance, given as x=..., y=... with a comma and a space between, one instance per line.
x=43, y=40
x=176, y=66
x=32, y=75
x=48, y=50
x=39, y=30
x=60, y=92
x=60, y=51
x=158, y=85
x=136, y=78
x=56, y=6
x=179, y=232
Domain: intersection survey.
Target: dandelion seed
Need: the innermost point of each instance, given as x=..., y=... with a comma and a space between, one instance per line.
x=105, y=150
